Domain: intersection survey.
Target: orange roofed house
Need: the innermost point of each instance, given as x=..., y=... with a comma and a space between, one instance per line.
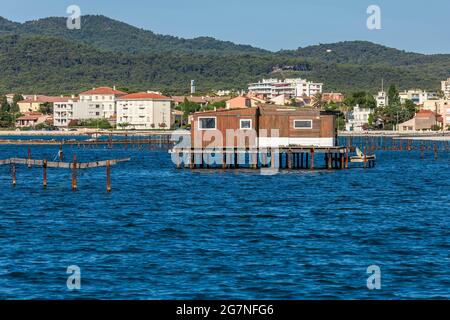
x=32, y=119
x=144, y=110
x=103, y=100
x=424, y=120
x=264, y=126
x=35, y=102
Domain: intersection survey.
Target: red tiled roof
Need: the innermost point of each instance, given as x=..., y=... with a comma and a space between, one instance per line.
x=103, y=90
x=43, y=99
x=144, y=96
x=425, y=114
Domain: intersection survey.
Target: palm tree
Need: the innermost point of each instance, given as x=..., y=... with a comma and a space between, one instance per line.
x=317, y=101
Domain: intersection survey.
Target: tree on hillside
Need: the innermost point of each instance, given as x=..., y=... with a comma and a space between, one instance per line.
x=14, y=106
x=188, y=107
x=4, y=105
x=361, y=98
x=393, y=96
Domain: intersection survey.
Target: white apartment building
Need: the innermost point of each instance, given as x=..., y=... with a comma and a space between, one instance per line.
x=382, y=99
x=63, y=111
x=295, y=87
x=144, y=110
x=103, y=100
x=357, y=118
x=445, y=87
x=417, y=96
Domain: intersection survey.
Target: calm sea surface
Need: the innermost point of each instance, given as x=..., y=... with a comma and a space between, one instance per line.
x=165, y=233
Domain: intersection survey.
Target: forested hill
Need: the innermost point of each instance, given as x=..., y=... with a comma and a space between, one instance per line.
x=364, y=53
x=105, y=33
x=43, y=56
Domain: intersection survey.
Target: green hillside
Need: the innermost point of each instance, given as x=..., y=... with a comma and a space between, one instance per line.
x=43, y=56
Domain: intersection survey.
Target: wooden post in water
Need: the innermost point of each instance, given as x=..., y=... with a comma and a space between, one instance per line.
x=44, y=173
x=422, y=152
x=224, y=159
x=108, y=176
x=346, y=158
x=13, y=172
x=365, y=157
x=289, y=159
x=435, y=151
x=74, y=173
x=29, y=157
x=311, y=166
x=60, y=152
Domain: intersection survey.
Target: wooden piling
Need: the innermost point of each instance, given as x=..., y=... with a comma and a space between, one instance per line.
x=365, y=157
x=108, y=176
x=311, y=166
x=29, y=157
x=60, y=152
x=44, y=173
x=13, y=173
x=74, y=173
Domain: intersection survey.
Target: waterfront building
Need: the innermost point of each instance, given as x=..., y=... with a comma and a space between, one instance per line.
x=417, y=96
x=144, y=110
x=103, y=100
x=32, y=119
x=358, y=119
x=273, y=126
x=445, y=87
x=295, y=87
x=424, y=120
x=35, y=102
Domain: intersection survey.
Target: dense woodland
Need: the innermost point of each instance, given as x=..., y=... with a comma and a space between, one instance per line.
x=43, y=56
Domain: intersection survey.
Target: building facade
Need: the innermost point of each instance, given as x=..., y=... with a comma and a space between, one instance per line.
x=358, y=119
x=102, y=100
x=382, y=99
x=144, y=110
x=445, y=87
x=417, y=96
x=263, y=126
x=424, y=120
x=296, y=87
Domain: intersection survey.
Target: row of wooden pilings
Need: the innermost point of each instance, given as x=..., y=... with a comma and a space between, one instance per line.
x=390, y=144
x=73, y=167
x=334, y=158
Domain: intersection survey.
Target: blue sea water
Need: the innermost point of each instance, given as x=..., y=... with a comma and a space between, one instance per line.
x=164, y=233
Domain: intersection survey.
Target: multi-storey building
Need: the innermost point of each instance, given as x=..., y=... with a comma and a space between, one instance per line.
x=102, y=99
x=445, y=87
x=417, y=96
x=357, y=119
x=382, y=99
x=144, y=110
x=297, y=87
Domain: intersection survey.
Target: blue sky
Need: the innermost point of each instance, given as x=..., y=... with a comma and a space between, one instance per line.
x=419, y=26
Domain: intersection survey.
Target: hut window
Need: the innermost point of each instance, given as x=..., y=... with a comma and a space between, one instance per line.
x=245, y=124
x=207, y=123
x=302, y=124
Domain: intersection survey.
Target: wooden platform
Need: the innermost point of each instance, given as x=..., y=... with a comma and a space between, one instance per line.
x=63, y=165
